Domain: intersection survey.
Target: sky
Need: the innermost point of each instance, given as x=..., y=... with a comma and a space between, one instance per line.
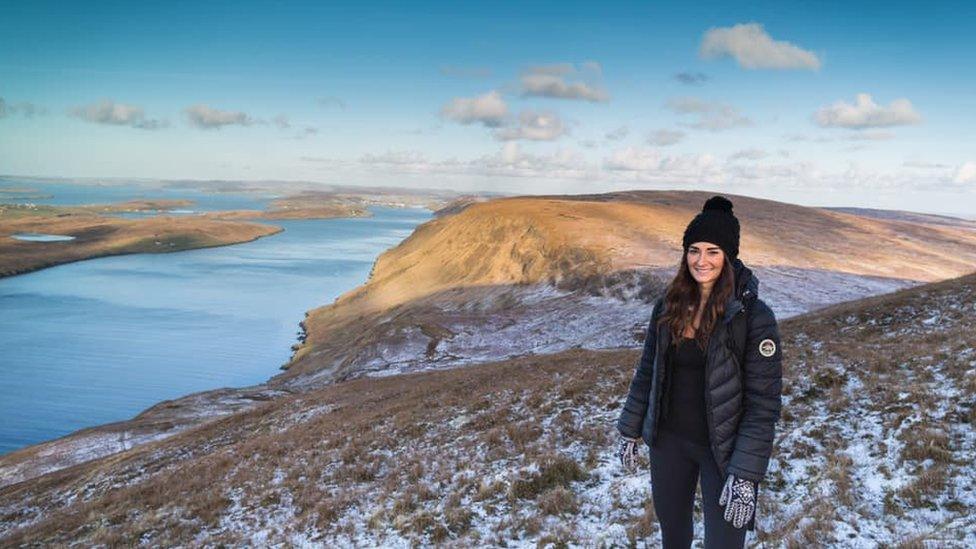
x=839, y=104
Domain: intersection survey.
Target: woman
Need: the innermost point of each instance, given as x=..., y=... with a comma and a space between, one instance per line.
x=706, y=394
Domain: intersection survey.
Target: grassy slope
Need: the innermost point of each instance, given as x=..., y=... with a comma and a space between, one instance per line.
x=566, y=239
x=875, y=446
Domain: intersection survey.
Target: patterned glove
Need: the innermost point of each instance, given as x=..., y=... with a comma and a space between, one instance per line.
x=739, y=499
x=628, y=453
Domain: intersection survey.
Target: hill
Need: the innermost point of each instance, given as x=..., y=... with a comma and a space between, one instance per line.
x=533, y=276
x=521, y=275
x=875, y=448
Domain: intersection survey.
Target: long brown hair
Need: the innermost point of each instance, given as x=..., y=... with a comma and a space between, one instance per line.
x=683, y=295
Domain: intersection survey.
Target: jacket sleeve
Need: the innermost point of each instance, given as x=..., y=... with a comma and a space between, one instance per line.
x=761, y=398
x=631, y=419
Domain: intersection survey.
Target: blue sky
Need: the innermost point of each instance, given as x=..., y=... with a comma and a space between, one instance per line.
x=512, y=97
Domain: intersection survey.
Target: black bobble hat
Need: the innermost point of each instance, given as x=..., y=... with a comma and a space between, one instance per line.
x=715, y=224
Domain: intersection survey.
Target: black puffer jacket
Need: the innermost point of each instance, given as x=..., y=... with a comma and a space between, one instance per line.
x=742, y=395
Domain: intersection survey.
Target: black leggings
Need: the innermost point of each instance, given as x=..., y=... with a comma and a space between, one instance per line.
x=675, y=467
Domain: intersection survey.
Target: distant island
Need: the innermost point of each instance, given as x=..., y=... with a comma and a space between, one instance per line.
x=301, y=206
x=36, y=236
x=95, y=234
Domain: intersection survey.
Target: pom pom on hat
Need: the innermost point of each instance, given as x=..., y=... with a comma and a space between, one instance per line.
x=719, y=203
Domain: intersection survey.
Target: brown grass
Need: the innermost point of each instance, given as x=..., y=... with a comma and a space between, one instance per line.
x=554, y=471
x=557, y=501
x=367, y=451
x=925, y=487
x=926, y=443
x=591, y=243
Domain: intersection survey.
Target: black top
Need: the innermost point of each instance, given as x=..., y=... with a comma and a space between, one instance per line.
x=683, y=402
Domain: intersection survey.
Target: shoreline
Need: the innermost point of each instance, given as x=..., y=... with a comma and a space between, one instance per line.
x=95, y=235
x=9, y=274
x=162, y=419
x=100, y=236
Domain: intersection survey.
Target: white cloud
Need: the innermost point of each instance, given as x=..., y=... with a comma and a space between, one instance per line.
x=205, y=117
x=429, y=130
x=28, y=110
x=870, y=136
x=858, y=136
x=711, y=116
x=800, y=137
x=753, y=48
x=749, y=154
x=686, y=105
x=617, y=134
x=633, y=159
x=281, y=121
x=592, y=66
x=394, y=158
x=665, y=137
x=509, y=161
x=327, y=161
x=564, y=81
x=650, y=165
x=541, y=126
x=865, y=113
x=923, y=165
x=966, y=173
x=307, y=131
x=116, y=114
x=784, y=173
x=488, y=109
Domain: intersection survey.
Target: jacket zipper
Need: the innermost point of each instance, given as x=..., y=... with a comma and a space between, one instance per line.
x=708, y=399
x=708, y=413
x=655, y=382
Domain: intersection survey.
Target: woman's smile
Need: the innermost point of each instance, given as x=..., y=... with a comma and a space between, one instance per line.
x=705, y=261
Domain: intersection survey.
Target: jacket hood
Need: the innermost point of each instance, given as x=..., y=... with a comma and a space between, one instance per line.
x=746, y=289
x=746, y=283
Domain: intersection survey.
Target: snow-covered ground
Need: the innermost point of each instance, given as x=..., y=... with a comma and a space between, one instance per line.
x=875, y=448
x=502, y=323
x=496, y=324
x=162, y=421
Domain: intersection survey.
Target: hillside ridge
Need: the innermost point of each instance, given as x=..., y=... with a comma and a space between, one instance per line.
x=878, y=422
x=808, y=257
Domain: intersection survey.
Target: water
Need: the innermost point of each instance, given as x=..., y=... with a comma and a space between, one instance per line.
x=71, y=194
x=41, y=237
x=98, y=341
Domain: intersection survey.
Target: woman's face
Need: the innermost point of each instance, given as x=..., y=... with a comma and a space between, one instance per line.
x=705, y=261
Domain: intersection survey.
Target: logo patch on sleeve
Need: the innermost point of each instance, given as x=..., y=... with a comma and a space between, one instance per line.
x=767, y=347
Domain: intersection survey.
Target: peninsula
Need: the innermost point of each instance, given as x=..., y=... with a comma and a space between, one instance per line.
x=95, y=234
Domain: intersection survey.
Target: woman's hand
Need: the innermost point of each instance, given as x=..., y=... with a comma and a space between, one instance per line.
x=739, y=499
x=628, y=453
